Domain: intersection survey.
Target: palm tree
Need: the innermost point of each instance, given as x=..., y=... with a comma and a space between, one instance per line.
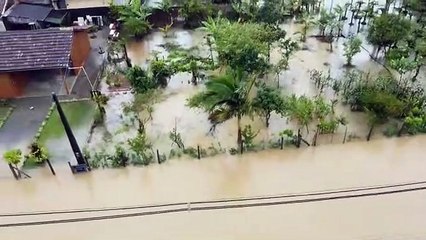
x=226, y=96
x=307, y=21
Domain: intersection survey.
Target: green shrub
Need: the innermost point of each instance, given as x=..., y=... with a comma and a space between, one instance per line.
x=391, y=130
x=140, y=80
x=13, y=156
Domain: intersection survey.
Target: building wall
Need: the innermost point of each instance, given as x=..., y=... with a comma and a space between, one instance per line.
x=12, y=84
x=80, y=49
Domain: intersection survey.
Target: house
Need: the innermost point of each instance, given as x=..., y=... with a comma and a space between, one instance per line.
x=31, y=58
x=25, y=16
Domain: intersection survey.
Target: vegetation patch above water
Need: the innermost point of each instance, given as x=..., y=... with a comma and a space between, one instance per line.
x=5, y=111
x=245, y=64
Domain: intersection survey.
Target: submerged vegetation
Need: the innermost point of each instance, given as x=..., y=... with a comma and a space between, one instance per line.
x=237, y=69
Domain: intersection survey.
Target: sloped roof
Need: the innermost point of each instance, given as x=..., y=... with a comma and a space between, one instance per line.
x=35, y=49
x=26, y=13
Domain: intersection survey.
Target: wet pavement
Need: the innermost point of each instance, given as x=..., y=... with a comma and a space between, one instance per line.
x=23, y=123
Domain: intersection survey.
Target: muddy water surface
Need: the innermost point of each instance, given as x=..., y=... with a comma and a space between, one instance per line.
x=399, y=216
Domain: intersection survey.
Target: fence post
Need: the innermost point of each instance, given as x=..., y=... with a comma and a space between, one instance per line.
x=314, y=142
x=158, y=157
x=299, y=138
x=282, y=143
x=198, y=150
x=50, y=166
x=241, y=147
x=344, y=137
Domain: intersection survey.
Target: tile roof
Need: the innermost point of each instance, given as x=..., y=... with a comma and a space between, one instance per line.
x=35, y=49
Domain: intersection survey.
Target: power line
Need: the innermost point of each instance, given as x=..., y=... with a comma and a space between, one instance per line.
x=203, y=208
x=304, y=194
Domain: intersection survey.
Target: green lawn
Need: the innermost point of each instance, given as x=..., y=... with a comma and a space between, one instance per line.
x=4, y=111
x=78, y=113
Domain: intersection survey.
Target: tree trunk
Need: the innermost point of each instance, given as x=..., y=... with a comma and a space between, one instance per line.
x=194, y=78
x=126, y=56
x=267, y=117
x=239, y=137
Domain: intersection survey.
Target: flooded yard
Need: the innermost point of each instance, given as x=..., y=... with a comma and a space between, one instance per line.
x=172, y=111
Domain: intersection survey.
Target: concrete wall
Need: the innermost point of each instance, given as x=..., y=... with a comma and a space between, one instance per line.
x=12, y=84
x=80, y=49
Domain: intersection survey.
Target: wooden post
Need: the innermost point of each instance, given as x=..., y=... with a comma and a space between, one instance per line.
x=282, y=143
x=198, y=150
x=158, y=157
x=370, y=132
x=299, y=138
x=241, y=147
x=50, y=166
x=13, y=171
x=344, y=137
x=314, y=141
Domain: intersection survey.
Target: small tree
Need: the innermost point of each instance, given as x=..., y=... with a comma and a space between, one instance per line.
x=402, y=66
x=307, y=21
x=140, y=80
x=161, y=71
x=226, y=96
x=324, y=21
x=270, y=12
x=268, y=100
x=101, y=101
x=287, y=47
x=300, y=109
x=38, y=153
x=351, y=48
x=13, y=157
x=134, y=19
x=194, y=12
x=248, y=136
x=142, y=148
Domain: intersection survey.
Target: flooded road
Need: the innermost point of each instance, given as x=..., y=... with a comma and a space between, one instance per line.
x=358, y=164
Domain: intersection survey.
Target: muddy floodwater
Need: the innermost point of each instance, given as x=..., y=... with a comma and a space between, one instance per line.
x=327, y=167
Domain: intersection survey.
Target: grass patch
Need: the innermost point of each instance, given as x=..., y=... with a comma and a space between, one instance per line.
x=30, y=163
x=77, y=113
x=5, y=112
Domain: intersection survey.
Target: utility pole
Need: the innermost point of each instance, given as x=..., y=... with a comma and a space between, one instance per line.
x=73, y=142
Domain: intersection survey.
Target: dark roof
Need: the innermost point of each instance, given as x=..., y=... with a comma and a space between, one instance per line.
x=29, y=12
x=56, y=17
x=35, y=49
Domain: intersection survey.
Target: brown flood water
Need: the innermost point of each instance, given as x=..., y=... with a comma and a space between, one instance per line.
x=356, y=164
